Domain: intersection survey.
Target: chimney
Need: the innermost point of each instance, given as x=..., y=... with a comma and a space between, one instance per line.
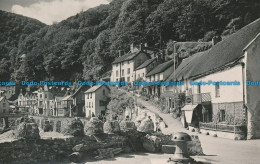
x=141, y=47
x=132, y=47
x=120, y=53
x=216, y=39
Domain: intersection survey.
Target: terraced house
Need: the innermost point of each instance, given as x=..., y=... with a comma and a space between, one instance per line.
x=230, y=111
x=123, y=68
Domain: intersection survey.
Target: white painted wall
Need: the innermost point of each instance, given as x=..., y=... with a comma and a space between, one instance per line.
x=141, y=73
x=228, y=93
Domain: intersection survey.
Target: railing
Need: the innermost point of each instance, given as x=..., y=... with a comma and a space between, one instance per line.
x=223, y=127
x=199, y=98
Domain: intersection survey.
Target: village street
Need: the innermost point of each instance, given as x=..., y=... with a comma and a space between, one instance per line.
x=217, y=150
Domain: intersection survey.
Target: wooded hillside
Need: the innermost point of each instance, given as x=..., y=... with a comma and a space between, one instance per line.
x=84, y=46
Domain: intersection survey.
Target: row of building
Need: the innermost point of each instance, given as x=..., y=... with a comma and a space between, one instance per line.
x=60, y=101
x=225, y=108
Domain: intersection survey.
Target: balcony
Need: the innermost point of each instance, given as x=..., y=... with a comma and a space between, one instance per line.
x=223, y=127
x=198, y=98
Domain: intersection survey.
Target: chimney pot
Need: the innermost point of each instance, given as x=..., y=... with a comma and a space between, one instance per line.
x=132, y=47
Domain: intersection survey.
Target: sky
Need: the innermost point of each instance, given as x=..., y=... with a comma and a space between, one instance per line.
x=49, y=11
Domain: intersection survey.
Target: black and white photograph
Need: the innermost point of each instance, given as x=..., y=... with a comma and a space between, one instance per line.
x=130, y=81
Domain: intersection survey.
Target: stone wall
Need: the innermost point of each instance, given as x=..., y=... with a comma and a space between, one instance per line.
x=59, y=124
x=234, y=112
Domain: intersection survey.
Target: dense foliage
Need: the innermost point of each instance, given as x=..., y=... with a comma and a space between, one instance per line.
x=83, y=46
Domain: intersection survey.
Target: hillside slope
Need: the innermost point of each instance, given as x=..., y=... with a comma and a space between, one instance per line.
x=84, y=46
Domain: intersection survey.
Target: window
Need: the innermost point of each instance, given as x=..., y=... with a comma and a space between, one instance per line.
x=122, y=63
x=104, y=92
x=88, y=96
x=217, y=94
x=92, y=105
x=116, y=73
x=143, y=74
x=117, y=65
x=46, y=96
x=138, y=75
x=91, y=95
x=222, y=115
x=40, y=96
x=123, y=72
x=128, y=71
x=128, y=79
x=116, y=80
x=4, y=105
x=89, y=104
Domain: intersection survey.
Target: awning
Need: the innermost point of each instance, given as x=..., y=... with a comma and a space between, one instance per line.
x=188, y=111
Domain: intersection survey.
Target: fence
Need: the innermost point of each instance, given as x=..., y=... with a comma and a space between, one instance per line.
x=223, y=127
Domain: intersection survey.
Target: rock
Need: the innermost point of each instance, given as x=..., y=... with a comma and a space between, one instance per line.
x=146, y=125
x=152, y=143
x=194, y=146
x=169, y=149
x=166, y=139
x=76, y=157
x=108, y=153
x=94, y=126
x=111, y=127
x=78, y=148
x=88, y=146
x=27, y=131
x=127, y=126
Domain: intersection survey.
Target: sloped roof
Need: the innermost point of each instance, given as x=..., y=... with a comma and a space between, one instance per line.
x=223, y=53
x=186, y=67
x=146, y=63
x=128, y=56
x=66, y=98
x=161, y=67
x=95, y=88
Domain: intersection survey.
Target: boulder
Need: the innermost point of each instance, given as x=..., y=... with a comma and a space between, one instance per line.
x=111, y=127
x=88, y=146
x=152, y=143
x=27, y=131
x=127, y=126
x=146, y=126
x=168, y=149
x=76, y=157
x=94, y=126
x=194, y=146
